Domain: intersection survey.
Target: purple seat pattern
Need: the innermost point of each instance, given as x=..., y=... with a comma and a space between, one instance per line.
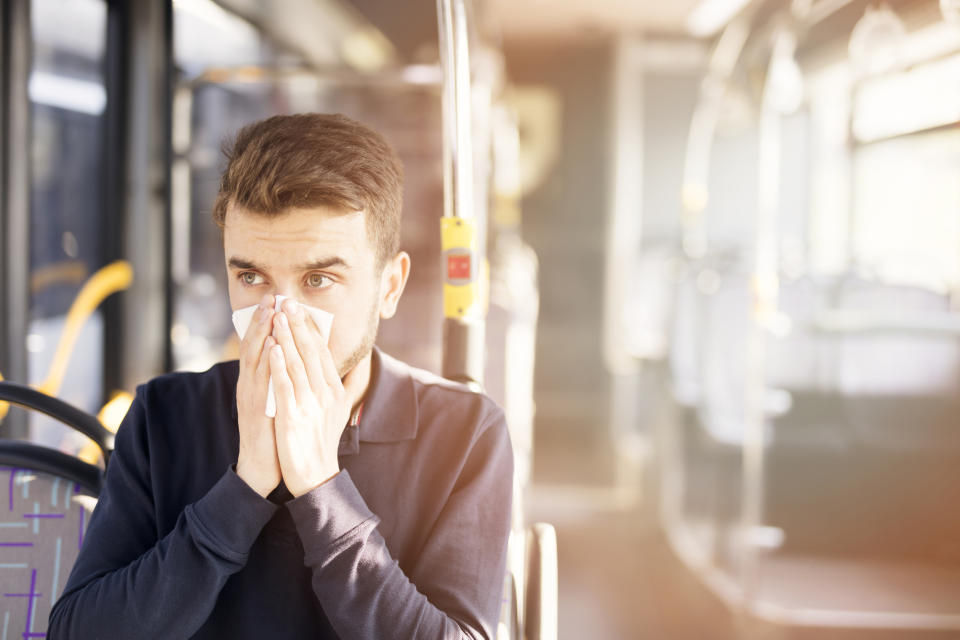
x=42, y=524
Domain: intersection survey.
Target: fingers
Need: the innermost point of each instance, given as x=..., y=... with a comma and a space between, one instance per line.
x=292, y=357
x=252, y=344
x=262, y=374
x=282, y=385
x=323, y=369
x=306, y=339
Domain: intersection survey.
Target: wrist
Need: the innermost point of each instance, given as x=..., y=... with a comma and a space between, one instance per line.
x=261, y=485
x=327, y=476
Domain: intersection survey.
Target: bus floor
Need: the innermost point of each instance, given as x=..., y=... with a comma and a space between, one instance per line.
x=618, y=576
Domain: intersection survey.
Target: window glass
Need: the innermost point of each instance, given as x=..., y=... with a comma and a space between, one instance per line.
x=207, y=35
x=905, y=226
x=68, y=99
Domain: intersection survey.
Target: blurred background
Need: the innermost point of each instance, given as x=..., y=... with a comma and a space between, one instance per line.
x=717, y=283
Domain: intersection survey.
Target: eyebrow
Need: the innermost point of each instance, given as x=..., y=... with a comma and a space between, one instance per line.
x=315, y=265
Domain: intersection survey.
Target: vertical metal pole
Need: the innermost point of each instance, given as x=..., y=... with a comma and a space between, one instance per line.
x=14, y=202
x=168, y=77
x=765, y=289
x=457, y=114
x=696, y=169
x=113, y=226
x=463, y=333
x=623, y=235
x=138, y=156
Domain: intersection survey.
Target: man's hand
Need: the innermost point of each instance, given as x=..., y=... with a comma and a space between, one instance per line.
x=257, y=463
x=313, y=405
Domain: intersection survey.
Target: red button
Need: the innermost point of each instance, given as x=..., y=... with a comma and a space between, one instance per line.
x=458, y=267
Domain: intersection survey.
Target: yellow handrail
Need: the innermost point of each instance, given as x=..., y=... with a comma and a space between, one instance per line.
x=114, y=277
x=111, y=278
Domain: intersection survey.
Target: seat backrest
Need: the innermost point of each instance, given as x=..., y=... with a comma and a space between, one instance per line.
x=43, y=518
x=43, y=513
x=918, y=362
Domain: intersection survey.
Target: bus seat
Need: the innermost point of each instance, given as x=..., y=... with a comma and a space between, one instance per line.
x=541, y=590
x=88, y=425
x=44, y=513
x=899, y=374
x=509, y=627
x=42, y=524
x=800, y=360
x=530, y=591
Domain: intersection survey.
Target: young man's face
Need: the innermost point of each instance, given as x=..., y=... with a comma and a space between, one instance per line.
x=321, y=257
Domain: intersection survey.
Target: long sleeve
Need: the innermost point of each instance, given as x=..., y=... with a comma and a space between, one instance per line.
x=127, y=582
x=455, y=585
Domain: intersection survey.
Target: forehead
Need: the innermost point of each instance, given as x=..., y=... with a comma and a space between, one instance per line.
x=296, y=235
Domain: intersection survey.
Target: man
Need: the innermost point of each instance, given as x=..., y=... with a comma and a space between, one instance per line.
x=376, y=504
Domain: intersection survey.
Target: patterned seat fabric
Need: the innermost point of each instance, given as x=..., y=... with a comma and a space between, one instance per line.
x=42, y=522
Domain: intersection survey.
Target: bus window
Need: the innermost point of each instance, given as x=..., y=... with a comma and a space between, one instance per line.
x=68, y=100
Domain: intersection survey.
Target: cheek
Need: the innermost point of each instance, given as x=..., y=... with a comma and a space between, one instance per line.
x=239, y=296
x=350, y=325
x=343, y=334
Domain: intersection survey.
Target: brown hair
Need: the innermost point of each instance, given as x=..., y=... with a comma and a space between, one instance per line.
x=315, y=159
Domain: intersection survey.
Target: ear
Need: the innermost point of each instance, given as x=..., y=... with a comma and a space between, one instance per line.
x=392, y=282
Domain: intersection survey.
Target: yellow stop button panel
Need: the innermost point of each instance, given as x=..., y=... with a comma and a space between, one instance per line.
x=459, y=245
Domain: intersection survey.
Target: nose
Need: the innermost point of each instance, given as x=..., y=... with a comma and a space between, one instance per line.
x=267, y=300
x=282, y=288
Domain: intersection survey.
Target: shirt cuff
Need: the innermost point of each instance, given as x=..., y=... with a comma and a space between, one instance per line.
x=329, y=511
x=233, y=513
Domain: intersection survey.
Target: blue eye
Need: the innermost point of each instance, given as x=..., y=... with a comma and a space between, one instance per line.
x=250, y=278
x=318, y=280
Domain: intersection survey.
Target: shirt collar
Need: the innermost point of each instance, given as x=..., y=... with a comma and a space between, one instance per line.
x=390, y=408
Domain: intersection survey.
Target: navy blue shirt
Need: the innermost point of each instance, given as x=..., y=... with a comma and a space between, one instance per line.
x=408, y=540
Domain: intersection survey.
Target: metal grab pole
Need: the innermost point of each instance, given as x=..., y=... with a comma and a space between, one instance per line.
x=15, y=184
x=765, y=285
x=696, y=167
x=463, y=331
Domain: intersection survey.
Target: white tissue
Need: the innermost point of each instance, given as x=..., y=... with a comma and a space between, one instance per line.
x=241, y=321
